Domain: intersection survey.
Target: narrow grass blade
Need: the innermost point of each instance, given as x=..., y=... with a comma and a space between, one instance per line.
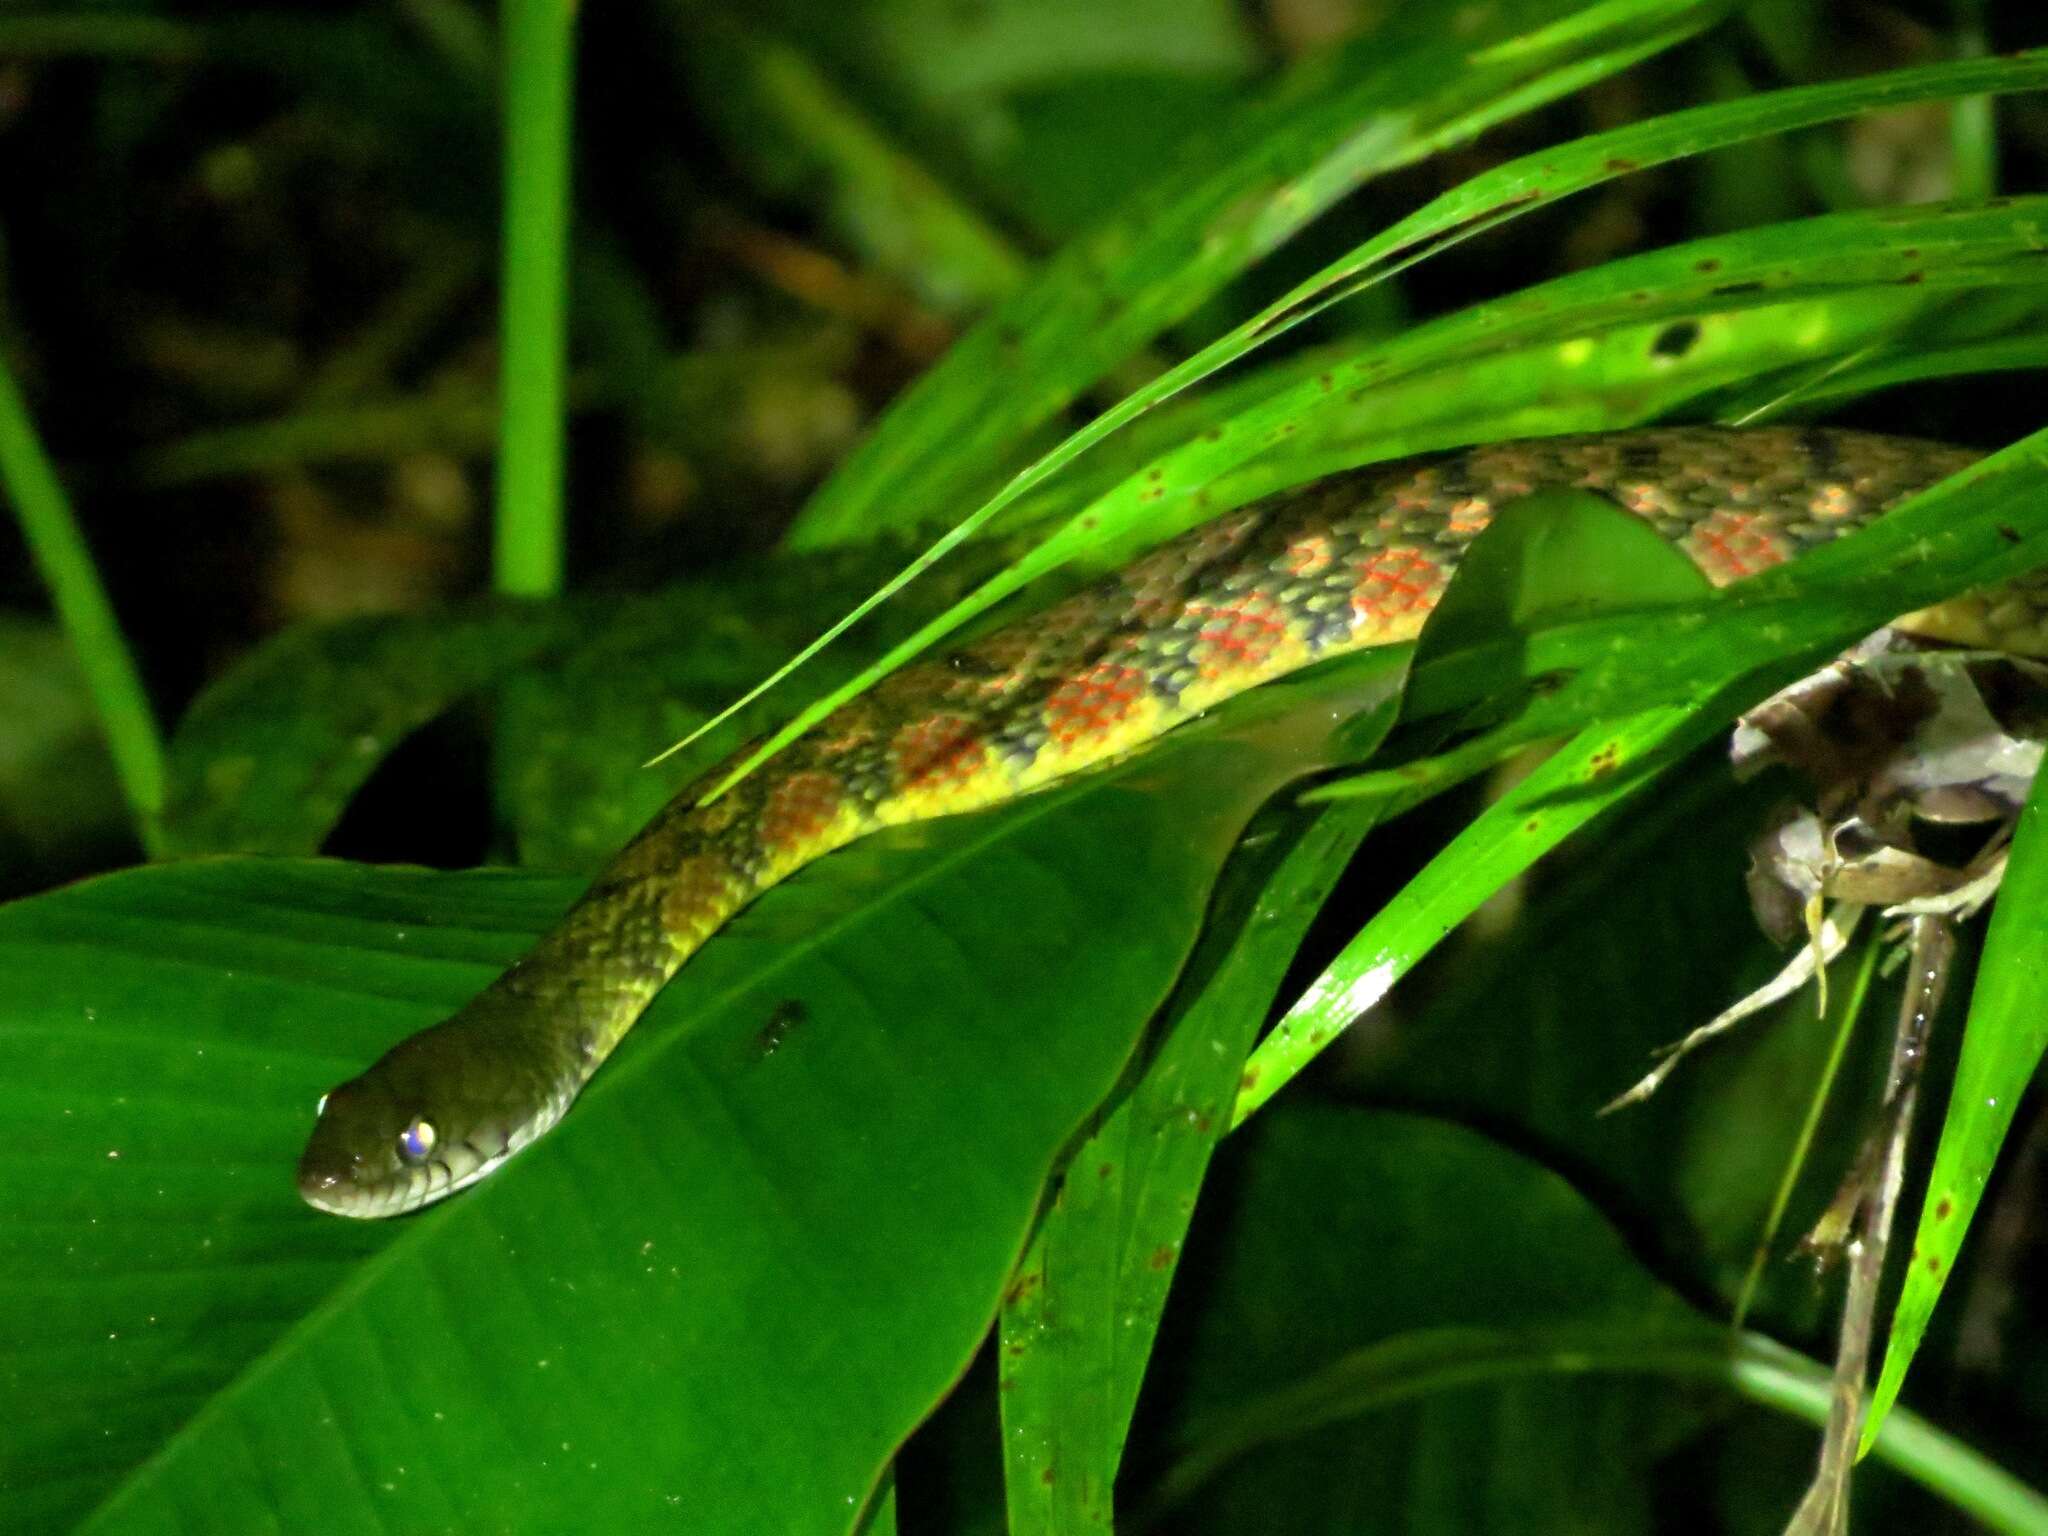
x=67, y=569
x=539, y=42
x=2003, y=1039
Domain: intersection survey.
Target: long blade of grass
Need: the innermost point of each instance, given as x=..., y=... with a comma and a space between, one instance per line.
x=2003, y=1041
x=67, y=569
x=1510, y=190
x=1748, y=1364
x=1081, y=1315
x=539, y=41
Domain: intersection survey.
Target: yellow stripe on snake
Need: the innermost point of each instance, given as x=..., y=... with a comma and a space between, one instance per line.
x=1345, y=563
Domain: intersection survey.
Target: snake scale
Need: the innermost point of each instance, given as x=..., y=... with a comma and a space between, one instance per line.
x=1355, y=560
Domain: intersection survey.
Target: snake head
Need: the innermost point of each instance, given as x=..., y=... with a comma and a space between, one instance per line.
x=436, y=1113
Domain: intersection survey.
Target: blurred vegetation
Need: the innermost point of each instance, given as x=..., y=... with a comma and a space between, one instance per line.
x=282, y=434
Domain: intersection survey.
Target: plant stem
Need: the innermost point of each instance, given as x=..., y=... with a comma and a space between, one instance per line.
x=67, y=569
x=538, y=38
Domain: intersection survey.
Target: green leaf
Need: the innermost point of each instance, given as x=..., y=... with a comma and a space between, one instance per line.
x=780, y=1218
x=1412, y=1327
x=1352, y=1231
x=2002, y=1044
x=1081, y=1313
x=267, y=759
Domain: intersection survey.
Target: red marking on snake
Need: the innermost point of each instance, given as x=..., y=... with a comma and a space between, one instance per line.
x=1470, y=515
x=1394, y=581
x=936, y=750
x=1237, y=635
x=1728, y=542
x=703, y=894
x=1644, y=500
x=1093, y=702
x=799, y=811
x=1309, y=556
x=1832, y=501
x=854, y=726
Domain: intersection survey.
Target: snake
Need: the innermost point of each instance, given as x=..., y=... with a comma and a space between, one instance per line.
x=1340, y=564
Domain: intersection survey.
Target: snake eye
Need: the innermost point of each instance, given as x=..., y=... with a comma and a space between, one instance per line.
x=416, y=1141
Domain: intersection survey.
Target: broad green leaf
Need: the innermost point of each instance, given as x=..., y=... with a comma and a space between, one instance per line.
x=1554, y=559
x=267, y=759
x=1346, y=1230
x=1548, y=560
x=2003, y=1039
x=1080, y=1315
x=1512, y=1371
x=780, y=1219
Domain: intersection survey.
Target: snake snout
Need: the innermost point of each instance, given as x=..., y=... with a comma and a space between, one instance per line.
x=425, y=1120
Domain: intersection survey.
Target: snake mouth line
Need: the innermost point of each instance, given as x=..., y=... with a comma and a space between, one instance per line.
x=415, y=1188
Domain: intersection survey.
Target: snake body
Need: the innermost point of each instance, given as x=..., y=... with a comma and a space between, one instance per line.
x=1344, y=563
